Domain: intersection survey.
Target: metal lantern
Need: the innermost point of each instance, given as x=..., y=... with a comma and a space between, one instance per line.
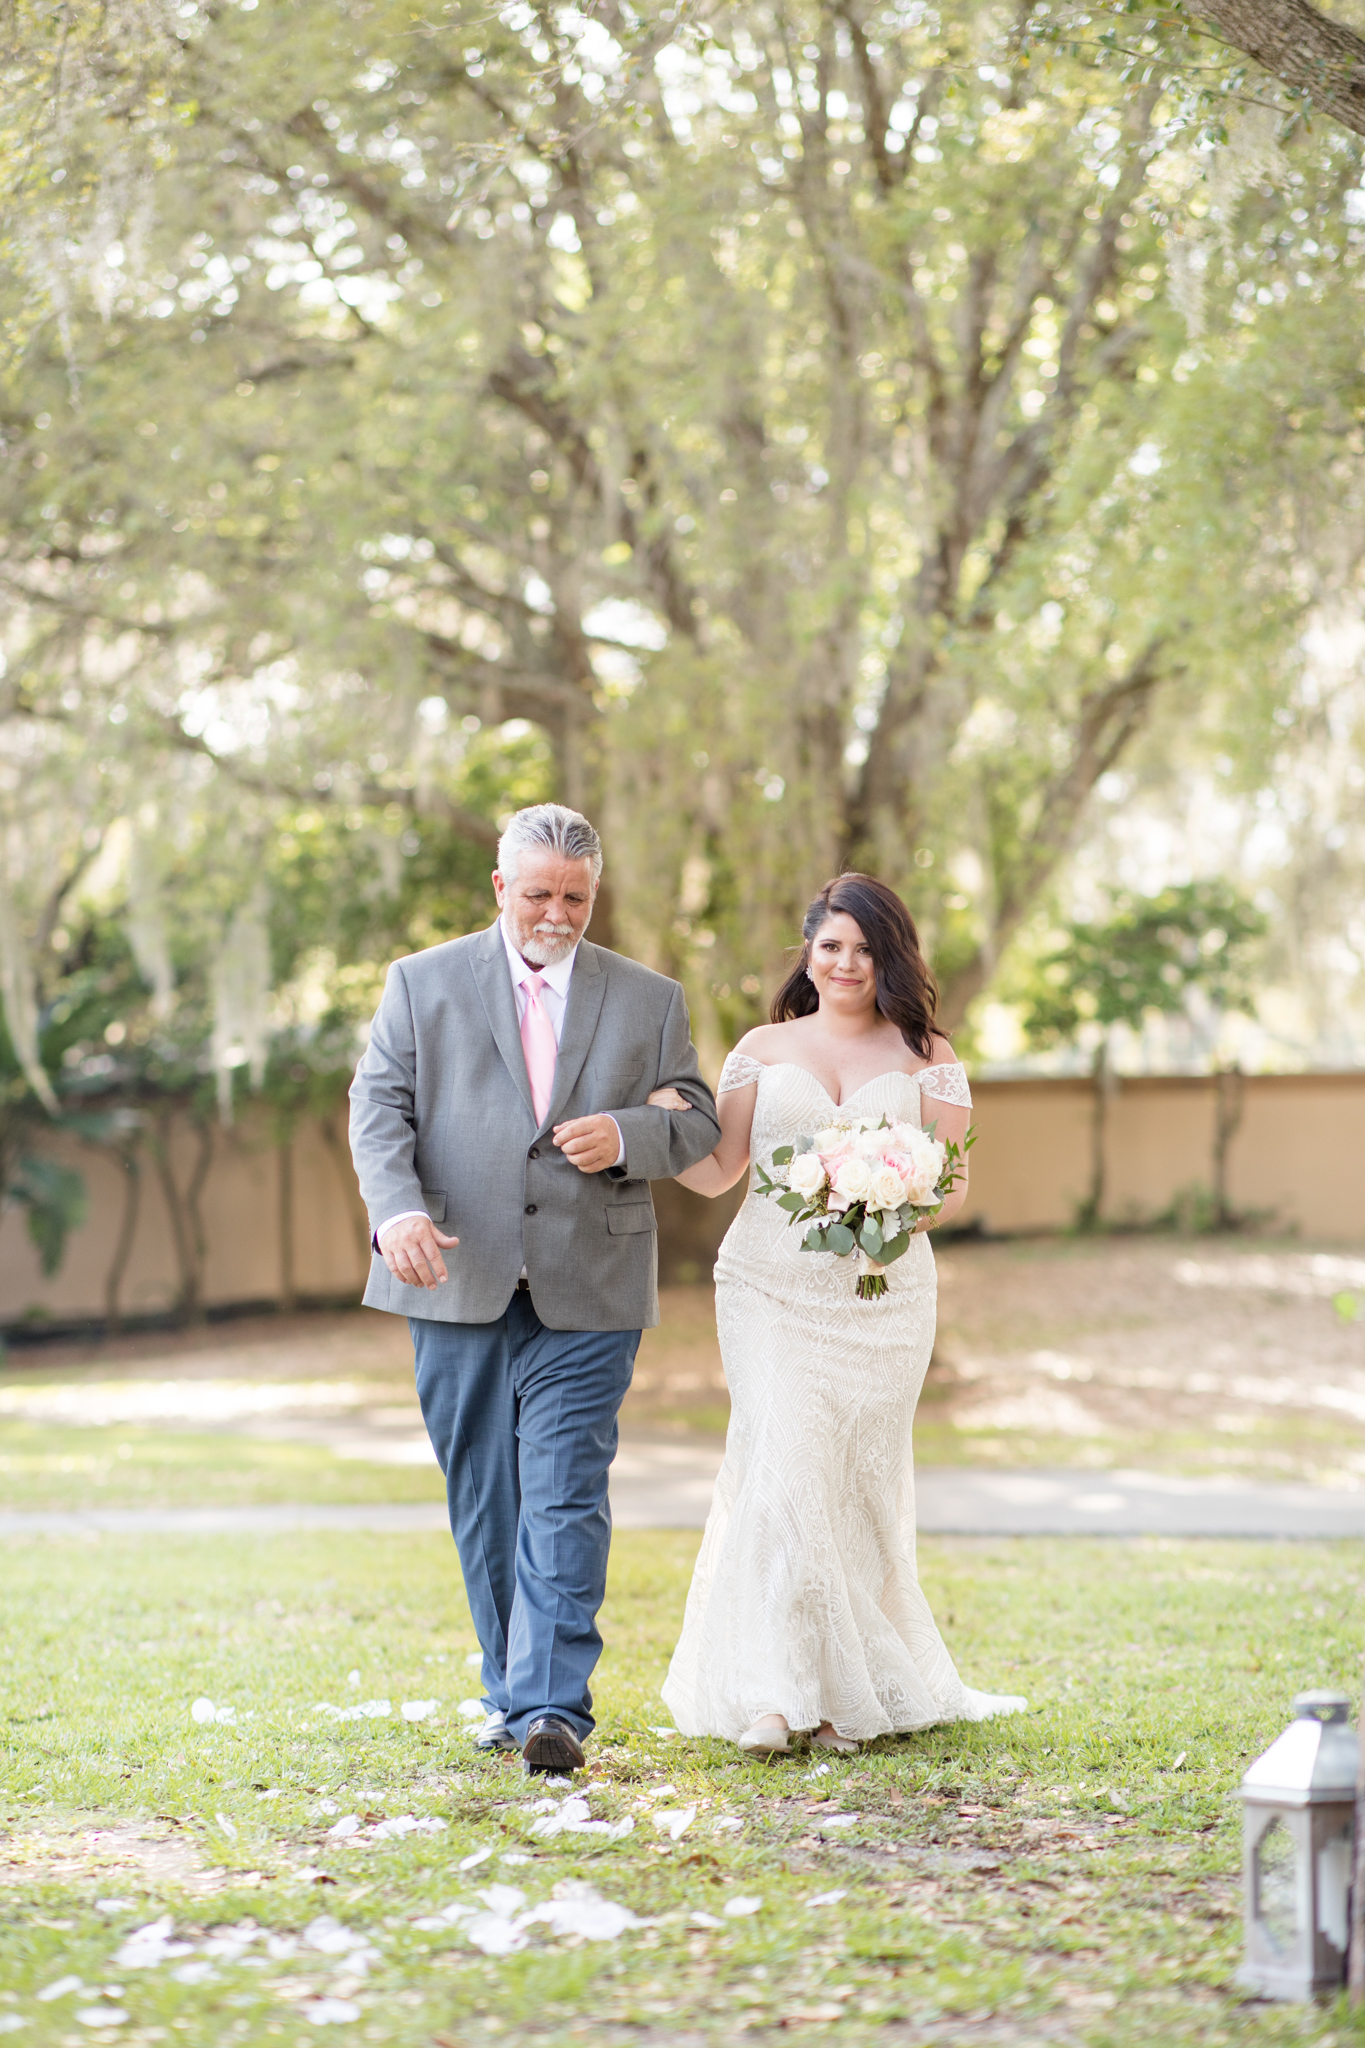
x=1297, y=1821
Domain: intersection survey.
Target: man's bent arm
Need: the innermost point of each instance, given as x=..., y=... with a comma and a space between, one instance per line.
x=383, y=1107
x=661, y=1142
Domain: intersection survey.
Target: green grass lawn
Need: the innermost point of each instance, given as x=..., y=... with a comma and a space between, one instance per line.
x=44, y=1466
x=1069, y=1877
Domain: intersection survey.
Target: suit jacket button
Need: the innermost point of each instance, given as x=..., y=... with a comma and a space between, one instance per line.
x=530, y=1208
x=534, y=1152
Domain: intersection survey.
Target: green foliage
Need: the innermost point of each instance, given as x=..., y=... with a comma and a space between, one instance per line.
x=1150, y=953
x=791, y=445
x=54, y=1200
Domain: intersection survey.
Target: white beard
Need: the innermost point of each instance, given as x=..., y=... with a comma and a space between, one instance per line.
x=545, y=949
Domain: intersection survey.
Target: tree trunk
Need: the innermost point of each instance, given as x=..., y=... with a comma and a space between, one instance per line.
x=123, y=1248
x=1088, y=1216
x=284, y=1155
x=1227, y=1118
x=187, y=1226
x=341, y=1159
x=1305, y=50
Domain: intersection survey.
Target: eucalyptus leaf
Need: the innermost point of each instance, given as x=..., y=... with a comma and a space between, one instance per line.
x=839, y=1238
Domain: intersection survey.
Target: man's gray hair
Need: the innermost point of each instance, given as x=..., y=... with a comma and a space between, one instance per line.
x=554, y=829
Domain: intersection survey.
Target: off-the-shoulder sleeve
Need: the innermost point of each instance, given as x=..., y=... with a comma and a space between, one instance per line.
x=946, y=1083
x=739, y=1070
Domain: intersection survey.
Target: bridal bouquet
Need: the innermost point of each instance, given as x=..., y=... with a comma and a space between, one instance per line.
x=862, y=1187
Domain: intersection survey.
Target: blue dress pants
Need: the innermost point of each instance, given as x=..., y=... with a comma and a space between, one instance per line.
x=523, y=1423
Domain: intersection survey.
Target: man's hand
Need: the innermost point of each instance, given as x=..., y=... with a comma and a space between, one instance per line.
x=667, y=1098
x=412, y=1251
x=591, y=1143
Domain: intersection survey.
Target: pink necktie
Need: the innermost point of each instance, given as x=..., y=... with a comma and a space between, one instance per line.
x=538, y=1045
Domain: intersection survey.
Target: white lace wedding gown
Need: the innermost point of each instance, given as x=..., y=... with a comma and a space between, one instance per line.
x=805, y=1600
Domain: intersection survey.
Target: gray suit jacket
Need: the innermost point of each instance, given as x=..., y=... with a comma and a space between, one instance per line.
x=441, y=1120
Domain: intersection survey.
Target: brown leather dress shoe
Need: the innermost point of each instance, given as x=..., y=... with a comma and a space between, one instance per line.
x=552, y=1746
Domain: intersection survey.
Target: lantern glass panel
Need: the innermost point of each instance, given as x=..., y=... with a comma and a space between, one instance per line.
x=1334, y=1882
x=1277, y=1890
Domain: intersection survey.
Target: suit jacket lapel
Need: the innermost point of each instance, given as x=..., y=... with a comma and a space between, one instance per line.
x=494, y=984
x=586, y=991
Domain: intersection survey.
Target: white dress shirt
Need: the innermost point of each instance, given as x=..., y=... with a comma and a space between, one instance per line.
x=555, y=997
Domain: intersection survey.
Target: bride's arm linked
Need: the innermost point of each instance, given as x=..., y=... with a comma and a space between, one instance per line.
x=735, y=1106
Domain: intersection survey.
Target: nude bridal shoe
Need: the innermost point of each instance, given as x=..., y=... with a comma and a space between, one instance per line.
x=769, y=1736
x=827, y=1736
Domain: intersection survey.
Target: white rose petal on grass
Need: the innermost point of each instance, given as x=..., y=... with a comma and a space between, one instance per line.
x=665, y=1732
x=807, y=1176
x=418, y=1710
x=704, y=1920
x=740, y=1909
x=406, y=1824
x=472, y=1861
x=726, y=1826
x=838, y=1820
x=342, y=1830
x=197, y=1972
x=675, y=1821
x=101, y=2016
x=826, y=1898
x=471, y=1710
x=495, y=1935
x=229, y=1827
x=147, y=1946
x=204, y=1712
x=63, y=1988
x=11, y=2022
x=577, y=1909
x=325, y=2012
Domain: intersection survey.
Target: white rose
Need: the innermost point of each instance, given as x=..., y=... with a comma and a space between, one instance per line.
x=870, y=1145
x=832, y=1136
x=806, y=1175
x=853, y=1180
x=888, y=1189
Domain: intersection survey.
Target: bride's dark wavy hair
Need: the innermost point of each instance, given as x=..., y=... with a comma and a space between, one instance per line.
x=907, y=993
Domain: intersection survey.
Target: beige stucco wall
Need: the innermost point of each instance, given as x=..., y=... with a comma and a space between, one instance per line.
x=241, y=1208
x=1299, y=1152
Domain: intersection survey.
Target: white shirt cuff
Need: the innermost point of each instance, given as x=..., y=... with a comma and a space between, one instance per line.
x=401, y=1217
x=620, y=1159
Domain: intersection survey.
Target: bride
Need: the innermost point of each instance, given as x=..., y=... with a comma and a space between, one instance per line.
x=805, y=1613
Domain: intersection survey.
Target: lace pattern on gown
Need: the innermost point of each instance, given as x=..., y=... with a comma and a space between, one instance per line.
x=805, y=1600
x=946, y=1083
x=738, y=1072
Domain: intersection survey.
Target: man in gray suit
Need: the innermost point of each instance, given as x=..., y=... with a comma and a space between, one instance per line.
x=503, y=1095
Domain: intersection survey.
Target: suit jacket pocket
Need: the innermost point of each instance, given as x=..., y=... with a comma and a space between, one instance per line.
x=434, y=1202
x=630, y=1216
